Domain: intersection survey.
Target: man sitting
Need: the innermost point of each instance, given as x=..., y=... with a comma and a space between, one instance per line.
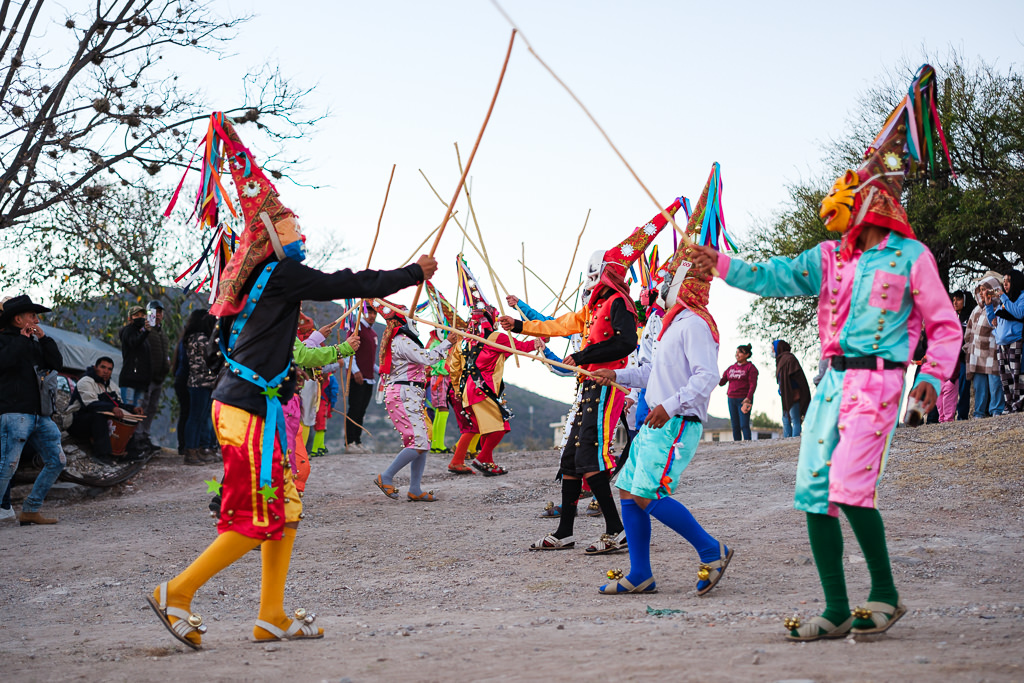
x=97, y=394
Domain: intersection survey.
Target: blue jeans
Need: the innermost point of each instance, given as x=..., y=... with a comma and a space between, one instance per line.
x=199, y=426
x=988, y=395
x=740, y=420
x=963, y=402
x=133, y=397
x=18, y=429
x=791, y=421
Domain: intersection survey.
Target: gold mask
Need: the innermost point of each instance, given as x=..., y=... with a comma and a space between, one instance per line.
x=837, y=205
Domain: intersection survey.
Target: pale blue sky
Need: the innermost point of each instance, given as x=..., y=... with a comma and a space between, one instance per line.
x=755, y=86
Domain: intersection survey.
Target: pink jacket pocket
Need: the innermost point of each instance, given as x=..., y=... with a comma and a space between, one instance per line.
x=887, y=290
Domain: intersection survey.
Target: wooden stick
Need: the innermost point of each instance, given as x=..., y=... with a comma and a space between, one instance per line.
x=345, y=315
x=466, y=236
x=429, y=235
x=509, y=349
x=545, y=284
x=567, y=296
x=469, y=163
x=573, y=261
x=480, y=237
x=526, y=294
x=359, y=314
x=682, y=234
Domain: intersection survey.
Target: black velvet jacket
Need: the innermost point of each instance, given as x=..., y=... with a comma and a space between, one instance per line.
x=265, y=344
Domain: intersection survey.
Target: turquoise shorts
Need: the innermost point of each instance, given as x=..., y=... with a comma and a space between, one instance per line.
x=658, y=457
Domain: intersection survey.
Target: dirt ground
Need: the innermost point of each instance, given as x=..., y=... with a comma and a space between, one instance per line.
x=449, y=592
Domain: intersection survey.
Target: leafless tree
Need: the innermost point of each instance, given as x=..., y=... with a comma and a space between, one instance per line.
x=113, y=107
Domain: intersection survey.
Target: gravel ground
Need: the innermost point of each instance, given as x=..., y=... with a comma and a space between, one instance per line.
x=448, y=591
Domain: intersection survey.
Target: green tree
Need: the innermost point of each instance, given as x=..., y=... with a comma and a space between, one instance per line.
x=762, y=421
x=97, y=258
x=971, y=225
x=86, y=92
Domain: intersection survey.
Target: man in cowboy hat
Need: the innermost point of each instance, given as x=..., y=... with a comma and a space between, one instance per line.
x=25, y=350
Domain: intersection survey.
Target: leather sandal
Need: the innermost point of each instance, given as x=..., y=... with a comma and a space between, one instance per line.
x=425, y=497
x=551, y=510
x=818, y=628
x=712, y=572
x=882, y=615
x=387, y=489
x=301, y=628
x=186, y=621
x=550, y=542
x=460, y=469
x=621, y=586
x=608, y=543
x=594, y=509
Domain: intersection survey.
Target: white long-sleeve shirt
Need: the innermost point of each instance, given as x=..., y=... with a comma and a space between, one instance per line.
x=684, y=371
x=410, y=362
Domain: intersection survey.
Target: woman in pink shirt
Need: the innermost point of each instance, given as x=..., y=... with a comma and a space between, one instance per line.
x=742, y=379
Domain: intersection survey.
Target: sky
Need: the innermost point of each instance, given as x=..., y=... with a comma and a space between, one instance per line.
x=758, y=87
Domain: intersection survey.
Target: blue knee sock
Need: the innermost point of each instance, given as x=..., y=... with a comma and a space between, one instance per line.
x=416, y=473
x=638, y=532
x=675, y=516
x=404, y=457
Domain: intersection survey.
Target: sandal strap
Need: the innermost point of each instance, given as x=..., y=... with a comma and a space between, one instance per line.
x=881, y=612
x=162, y=601
x=721, y=557
x=272, y=629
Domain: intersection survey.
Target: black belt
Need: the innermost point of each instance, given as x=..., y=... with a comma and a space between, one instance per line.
x=691, y=418
x=421, y=385
x=842, y=363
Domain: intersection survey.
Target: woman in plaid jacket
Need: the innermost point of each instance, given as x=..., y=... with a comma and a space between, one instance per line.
x=980, y=354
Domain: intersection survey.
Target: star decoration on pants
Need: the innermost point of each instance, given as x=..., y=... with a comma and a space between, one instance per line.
x=212, y=486
x=268, y=493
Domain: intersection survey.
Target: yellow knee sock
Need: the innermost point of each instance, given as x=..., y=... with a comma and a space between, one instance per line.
x=225, y=550
x=277, y=556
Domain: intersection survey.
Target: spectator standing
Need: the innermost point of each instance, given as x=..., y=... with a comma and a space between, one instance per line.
x=742, y=379
x=25, y=352
x=796, y=394
x=1005, y=311
x=964, y=305
x=179, y=367
x=135, y=361
x=97, y=394
x=200, y=439
x=981, y=364
x=950, y=391
x=159, y=367
x=360, y=389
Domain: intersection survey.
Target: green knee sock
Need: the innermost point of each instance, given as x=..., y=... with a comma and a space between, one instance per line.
x=440, y=422
x=827, y=547
x=318, y=441
x=870, y=532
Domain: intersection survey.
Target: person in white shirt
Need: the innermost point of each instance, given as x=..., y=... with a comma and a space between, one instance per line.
x=679, y=383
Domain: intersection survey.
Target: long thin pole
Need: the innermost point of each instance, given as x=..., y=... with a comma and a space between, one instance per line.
x=465, y=234
x=469, y=163
x=509, y=349
x=483, y=247
x=545, y=284
x=526, y=294
x=359, y=314
x=668, y=217
x=573, y=261
x=571, y=294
